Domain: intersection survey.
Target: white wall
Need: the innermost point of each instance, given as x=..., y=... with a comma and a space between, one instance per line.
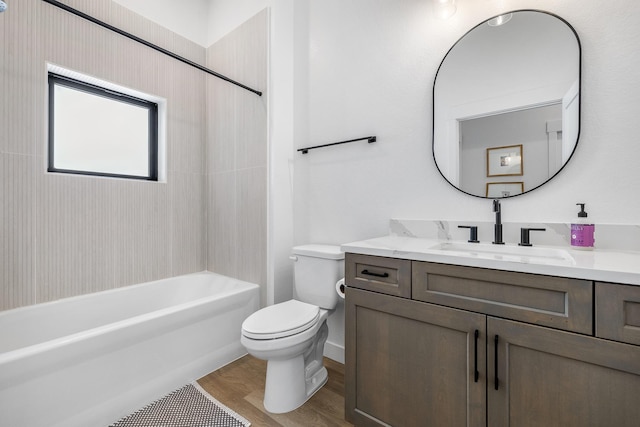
x=186, y=18
x=224, y=16
x=372, y=69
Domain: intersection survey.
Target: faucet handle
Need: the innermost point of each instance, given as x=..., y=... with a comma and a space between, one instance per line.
x=473, y=233
x=524, y=235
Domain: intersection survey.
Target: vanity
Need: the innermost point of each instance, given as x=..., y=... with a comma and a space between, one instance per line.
x=436, y=337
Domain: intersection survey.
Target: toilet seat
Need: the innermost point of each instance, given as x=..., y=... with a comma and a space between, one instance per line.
x=281, y=320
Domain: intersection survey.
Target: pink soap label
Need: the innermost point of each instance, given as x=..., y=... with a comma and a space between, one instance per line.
x=582, y=235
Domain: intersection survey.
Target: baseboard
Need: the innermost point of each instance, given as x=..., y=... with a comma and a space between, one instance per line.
x=334, y=352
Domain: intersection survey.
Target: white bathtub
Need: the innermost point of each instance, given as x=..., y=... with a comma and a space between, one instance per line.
x=90, y=360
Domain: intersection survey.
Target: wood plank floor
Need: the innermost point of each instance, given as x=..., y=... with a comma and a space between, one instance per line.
x=240, y=386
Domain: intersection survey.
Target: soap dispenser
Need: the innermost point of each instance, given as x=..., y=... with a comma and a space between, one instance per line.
x=582, y=231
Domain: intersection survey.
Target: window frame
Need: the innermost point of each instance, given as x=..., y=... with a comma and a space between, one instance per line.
x=57, y=79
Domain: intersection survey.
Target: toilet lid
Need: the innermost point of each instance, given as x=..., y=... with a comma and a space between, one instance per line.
x=280, y=320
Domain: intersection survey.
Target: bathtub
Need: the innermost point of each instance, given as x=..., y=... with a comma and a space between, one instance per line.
x=92, y=359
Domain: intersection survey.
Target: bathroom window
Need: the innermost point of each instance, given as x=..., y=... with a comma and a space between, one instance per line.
x=99, y=131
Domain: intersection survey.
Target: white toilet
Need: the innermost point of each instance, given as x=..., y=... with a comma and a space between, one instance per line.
x=290, y=336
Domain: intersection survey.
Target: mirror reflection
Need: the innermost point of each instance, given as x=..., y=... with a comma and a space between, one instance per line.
x=506, y=104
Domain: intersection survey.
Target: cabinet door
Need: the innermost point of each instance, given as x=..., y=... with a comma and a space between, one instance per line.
x=410, y=363
x=548, y=378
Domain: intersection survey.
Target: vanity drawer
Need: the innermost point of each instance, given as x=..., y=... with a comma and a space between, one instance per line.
x=542, y=300
x=389, y=276
x=618, y=312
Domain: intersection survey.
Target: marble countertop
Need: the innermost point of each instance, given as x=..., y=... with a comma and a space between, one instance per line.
x=599, y=264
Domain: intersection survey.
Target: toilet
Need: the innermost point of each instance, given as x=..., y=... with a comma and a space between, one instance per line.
x=291, y=335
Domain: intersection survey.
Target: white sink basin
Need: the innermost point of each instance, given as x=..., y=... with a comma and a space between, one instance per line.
x=514, y=253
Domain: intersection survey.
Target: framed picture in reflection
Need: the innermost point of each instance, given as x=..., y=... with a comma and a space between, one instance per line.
x=504, y=161
x=504, y=189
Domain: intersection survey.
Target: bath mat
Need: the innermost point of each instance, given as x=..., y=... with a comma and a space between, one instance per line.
x=189, y=406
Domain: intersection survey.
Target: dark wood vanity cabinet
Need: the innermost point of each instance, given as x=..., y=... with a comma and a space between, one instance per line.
x=548, y=377
x=416, y=363
x=412, y=364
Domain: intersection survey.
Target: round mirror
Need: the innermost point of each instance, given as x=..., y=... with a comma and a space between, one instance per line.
x=506, y=104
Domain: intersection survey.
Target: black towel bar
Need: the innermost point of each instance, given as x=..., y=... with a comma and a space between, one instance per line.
x=369, y=139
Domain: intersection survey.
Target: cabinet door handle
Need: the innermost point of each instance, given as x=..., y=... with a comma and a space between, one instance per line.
x=476, y=374
x=495, y=367
x=370, y=273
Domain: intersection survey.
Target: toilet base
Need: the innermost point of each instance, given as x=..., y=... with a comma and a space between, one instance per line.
x=284, y=395
x=291, y=382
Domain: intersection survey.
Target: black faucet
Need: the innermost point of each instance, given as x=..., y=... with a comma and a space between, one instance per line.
x=497, y=228
x=524, y=235
x=473, y=233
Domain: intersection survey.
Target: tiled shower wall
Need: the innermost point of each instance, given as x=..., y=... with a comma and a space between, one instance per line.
x=63, y=235
x=236, y=166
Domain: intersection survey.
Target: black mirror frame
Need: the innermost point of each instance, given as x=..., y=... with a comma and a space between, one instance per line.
x=433, y=105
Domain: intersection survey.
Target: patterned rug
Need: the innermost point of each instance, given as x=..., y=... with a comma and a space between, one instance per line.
x=189, y=406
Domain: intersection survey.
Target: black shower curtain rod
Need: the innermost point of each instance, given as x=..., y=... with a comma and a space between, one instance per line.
x=148, y=44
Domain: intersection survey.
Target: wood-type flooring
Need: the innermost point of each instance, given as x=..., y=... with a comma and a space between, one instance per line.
x=240, y=386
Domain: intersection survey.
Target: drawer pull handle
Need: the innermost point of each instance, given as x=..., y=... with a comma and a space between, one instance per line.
x=370, y=273
x=497, y=381
x=476, y=374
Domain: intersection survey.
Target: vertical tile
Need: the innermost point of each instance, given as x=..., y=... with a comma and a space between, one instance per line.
x=252, y=112
x=96, y=233
x=51, y=249
x=186, y=142
x=221, y=121
x=251, y=224
x=70, y=235
x=20, y=99
x=138, y=215
x=251, y=125
x=237, y=155
x=185, y=94
x=251, y=44
x=188, y=236
x=161, y=233
x=221, y=221
x=17, y=237
x=75, y=243
x=221, y=56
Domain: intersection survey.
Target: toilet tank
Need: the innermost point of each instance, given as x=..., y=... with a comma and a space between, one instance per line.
x=317, y=268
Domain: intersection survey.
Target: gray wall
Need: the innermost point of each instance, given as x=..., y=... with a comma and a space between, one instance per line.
x=68, y=235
